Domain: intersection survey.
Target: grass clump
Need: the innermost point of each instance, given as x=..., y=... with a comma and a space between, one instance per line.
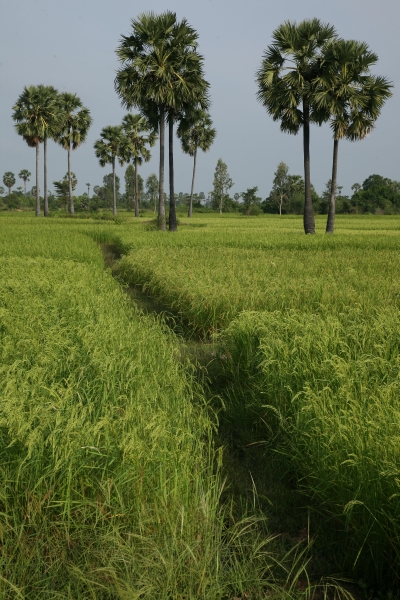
x=329, y=390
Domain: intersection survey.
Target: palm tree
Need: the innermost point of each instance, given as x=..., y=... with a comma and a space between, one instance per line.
x=286, y=82
x=195, y=131
x=353, y=97
x=37, y=117
x=161, y=70
x=24, y=174
x=139, y=132
x=76, y=121
x=112, y=145
x=88, y=189
x=9, y=180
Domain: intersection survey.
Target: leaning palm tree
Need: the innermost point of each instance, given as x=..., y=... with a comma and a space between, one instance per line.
x=24, y=174
x=195, y=131
x=76, y=121
x=139, y=134
x=286, y=85
x=112, y=145
x=37, y=117
x=160, y=71
x=353, y=97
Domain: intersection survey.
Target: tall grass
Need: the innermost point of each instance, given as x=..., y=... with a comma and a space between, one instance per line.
x=332, y=388
x=208, y=276
x=319, y=349
x=111, y=485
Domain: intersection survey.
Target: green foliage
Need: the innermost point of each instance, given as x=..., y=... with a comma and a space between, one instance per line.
x=75, y=121
x=152, y=190
x=104, y=194
x=9, y=180
x=251, y=202
x=160, y=41
x=62, y=187
x=195, y=131
x=130, y=187
x=25, y=175
x=378, y=195
x=37, y=114
x=222, y=184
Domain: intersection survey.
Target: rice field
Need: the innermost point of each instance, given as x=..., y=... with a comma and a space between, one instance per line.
x=308, y=329
x=113, y=483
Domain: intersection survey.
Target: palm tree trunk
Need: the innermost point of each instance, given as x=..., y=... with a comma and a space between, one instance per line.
x=37, y=181
x=161, y=205
x=172, y=208
x=309, y=223
x=114, y=189
x=330, y=224
x=71, y=199
x=24, y=187
x=46, y=202
x=191, y=191
x=136, y=188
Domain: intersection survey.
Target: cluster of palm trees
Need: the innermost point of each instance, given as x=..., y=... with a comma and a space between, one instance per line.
x=309, y=75
x=161, y=75
x=42, y=113
x=124, y=143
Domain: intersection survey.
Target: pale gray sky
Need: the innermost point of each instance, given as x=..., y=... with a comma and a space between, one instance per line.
x=70, y=44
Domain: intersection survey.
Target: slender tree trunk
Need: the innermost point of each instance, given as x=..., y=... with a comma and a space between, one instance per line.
x=309, y=223
x=172, y=208
x=37, y=181
x=330, y=224
x=46, y=202
x=114, y=189
x=221, y=198
x=280, y=205
x=191, y=191
x=161, y=205
x=136, y=188
x=24, y=187
x=71, y=198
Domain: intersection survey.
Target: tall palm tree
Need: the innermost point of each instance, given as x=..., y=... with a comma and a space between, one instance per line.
x=161, y=70
x=24, y=174
x=195, y=131
x=286, y=85
x=76, y=121
x=111, y=146
x=37, y=117
x=140, y=133
x=353, y=97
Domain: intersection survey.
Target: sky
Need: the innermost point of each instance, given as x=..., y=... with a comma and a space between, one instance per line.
x=71, y=45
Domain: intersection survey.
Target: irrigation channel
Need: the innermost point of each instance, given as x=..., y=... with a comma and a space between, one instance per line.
x=261, y=484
